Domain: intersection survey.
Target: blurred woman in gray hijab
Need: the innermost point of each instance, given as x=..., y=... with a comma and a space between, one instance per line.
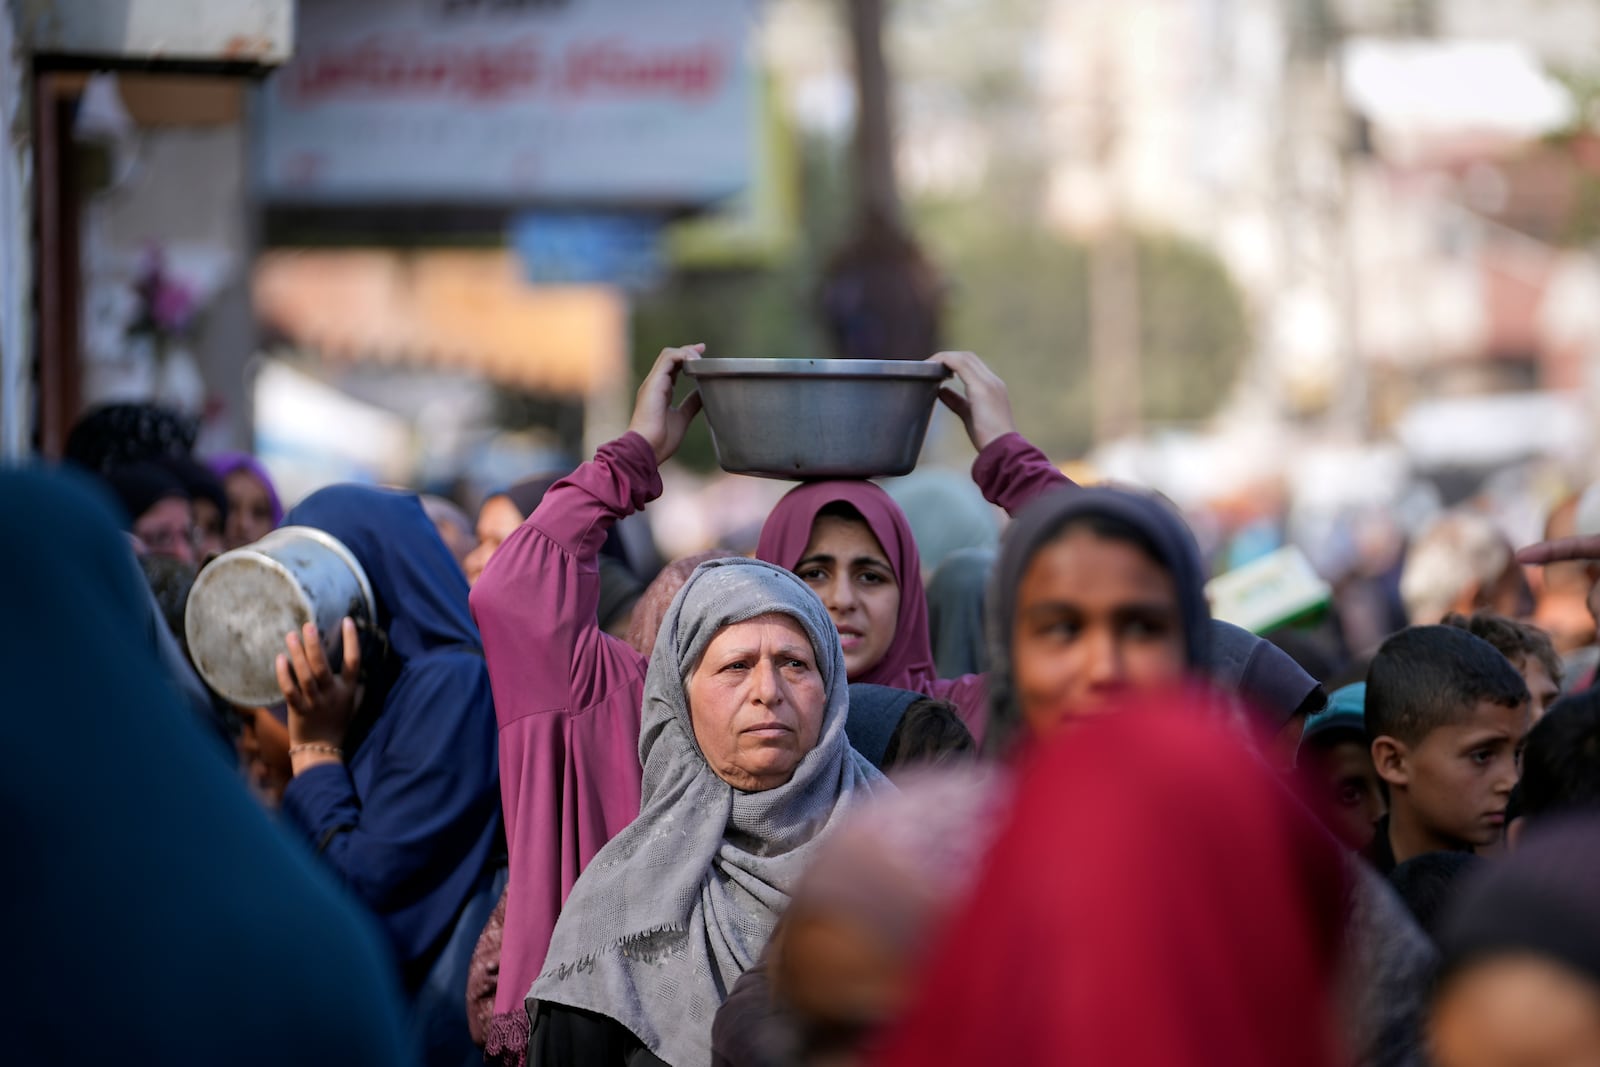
x=746, y=769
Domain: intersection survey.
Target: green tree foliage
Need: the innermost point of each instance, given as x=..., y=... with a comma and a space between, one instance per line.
x=1020, y=299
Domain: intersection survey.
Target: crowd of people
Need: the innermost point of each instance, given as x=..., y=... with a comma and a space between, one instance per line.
x=558, y=804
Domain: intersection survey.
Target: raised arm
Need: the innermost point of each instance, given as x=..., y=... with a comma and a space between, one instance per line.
x=567, y=694
x=1009, y=470
x=537, y=601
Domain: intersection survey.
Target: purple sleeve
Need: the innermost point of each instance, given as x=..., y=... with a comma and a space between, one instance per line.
x=567, y=696
x=1013, y=473
x=538, y=599
x=537, y=606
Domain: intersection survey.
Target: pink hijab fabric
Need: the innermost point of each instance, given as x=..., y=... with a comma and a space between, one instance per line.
x=908, y=662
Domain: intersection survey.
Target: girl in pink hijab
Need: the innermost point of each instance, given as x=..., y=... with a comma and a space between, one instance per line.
x=853, y=545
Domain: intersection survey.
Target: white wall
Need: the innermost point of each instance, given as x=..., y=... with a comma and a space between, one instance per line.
x=16, y=164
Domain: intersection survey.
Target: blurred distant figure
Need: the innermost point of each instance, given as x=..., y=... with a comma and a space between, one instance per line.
x=627, y=543
x=1529, y=649
x=657, y=597
x=210, y=503
x=1195, y=920
x=501, y=513
x=119, y=434
x=1560, y=764
x=1562, y=589
x=170, y=581
x=1447, y=714
x=254, y=509
x=455, y=529
x=1429, y=884
x=1335, y=760
x=1520, y=983
x=957, y=593
x=947, y=513
x=1463, y=563
x=1276, y=690
x=158, y=507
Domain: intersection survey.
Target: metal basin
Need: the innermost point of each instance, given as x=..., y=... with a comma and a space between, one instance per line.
x=817, y=418
x=246, y=601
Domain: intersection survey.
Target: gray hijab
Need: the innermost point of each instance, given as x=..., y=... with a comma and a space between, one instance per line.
x=681, y=902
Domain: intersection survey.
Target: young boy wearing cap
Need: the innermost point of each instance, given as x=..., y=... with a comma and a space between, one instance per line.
x=1335, y=761
x=1447, y=715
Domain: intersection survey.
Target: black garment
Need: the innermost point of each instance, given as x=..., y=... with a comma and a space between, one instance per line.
x=572, y=1037
x=1381, y=852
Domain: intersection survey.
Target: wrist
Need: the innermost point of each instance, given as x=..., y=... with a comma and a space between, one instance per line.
x=306, y=755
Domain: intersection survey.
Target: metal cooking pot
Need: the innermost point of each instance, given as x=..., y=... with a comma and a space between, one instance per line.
x=247, y=600
x=817, y=418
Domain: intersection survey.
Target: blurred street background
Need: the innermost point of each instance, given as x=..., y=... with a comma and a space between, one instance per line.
x=1315, y=269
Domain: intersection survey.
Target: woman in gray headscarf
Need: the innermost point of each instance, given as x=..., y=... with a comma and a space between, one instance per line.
x=746, y=768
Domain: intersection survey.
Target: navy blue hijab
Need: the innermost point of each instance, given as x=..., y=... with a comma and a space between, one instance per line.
x=154, y=914
x=412, y=820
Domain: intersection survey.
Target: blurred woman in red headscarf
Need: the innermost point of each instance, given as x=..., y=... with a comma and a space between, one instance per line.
x=1189, y=922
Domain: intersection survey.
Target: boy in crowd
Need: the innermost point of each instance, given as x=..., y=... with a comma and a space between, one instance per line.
x=1560, y=765
x=1335, y=761
x=1447, y=715
x=1529, y=649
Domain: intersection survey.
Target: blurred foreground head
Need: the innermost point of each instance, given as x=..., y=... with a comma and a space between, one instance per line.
x=1194, y=920
x=845, y=959
x=204, y=884
x=1521, y=977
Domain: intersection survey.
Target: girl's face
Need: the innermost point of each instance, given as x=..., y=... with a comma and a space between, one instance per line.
x=849, y=571
x=1095, y=617
x=249, y=509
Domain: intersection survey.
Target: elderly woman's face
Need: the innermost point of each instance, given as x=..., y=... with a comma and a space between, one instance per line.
x=757, y=700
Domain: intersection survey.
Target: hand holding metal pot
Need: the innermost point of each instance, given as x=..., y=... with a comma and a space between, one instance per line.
x=986, y=407
x=654, y=417
x=321, y=703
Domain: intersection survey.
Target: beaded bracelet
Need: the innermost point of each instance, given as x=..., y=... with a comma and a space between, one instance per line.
x=326, y=750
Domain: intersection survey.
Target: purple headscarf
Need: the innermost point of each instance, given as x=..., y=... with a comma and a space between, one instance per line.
x=228, y=462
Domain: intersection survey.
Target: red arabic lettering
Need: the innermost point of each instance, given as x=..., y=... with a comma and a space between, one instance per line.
x=609, y=67
x=381, y=66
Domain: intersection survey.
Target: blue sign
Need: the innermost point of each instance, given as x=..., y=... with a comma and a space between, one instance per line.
x=570, y=248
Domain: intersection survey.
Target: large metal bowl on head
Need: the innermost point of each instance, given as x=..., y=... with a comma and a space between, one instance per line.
x=817, y=418
x=246, y=601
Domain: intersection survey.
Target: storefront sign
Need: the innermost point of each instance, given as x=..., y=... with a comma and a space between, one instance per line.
x=199, y=31
x=593, y=101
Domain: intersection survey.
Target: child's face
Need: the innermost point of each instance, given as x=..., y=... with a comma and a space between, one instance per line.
x=1458, y=778
x=1517, y=1009
x=1348, y=786
x=1541, y=686
x=1095, y=617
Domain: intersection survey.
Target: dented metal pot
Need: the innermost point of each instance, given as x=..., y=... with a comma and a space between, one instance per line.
x=246, y=601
